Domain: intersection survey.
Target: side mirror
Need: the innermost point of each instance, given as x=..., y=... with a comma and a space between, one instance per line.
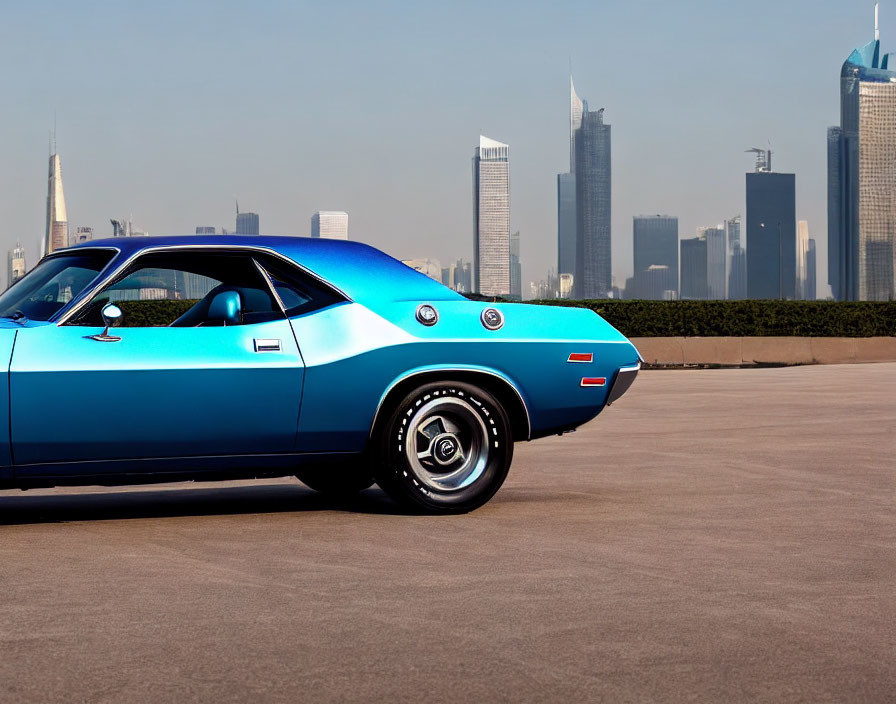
x=111, y=315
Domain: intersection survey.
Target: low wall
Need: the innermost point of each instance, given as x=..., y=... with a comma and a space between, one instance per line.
x=737, y=351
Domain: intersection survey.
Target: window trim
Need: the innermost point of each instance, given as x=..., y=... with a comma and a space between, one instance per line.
x=99, y=284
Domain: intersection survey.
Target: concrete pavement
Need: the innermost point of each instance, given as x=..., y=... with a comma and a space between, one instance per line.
x=716, y=535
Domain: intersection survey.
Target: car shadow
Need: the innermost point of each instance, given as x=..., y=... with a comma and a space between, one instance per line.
x=25, y=508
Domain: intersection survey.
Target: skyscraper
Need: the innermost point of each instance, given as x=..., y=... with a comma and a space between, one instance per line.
x=330, y=224
x=516, y=269
x=655, y=244
x=716, y=262
x=82, y=234
x=771, y=233
x=56, y=236
x=593, y=275
x=491, y=218
x=566, y=193
x=861, y=179
x=802, y=258
x=246, y=223
x=205, y=230
x=811, y=264
x=693, y=268
x=16, y=262
x=737, y=260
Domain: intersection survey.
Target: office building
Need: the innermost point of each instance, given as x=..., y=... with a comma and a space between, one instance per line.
x=655, y=244
x=246, y=223
x=716, y=262
x=862, y=180
x=458, y=276
x=737, y=260
x=771, y=233
x=693, y=269
x=593, y=274
x=82, y=234
x=491, y=218
x=566, y=193
x=516, y=269
x=56, y=235
x=330, y=224
x=16, y=260
x=802, y=258
x=205, y=230
x=811, y=264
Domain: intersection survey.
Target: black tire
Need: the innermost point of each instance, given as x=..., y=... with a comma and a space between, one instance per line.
x=446, y=448
x=337, y=480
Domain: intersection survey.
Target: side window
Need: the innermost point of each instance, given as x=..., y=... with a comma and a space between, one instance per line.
x=298, y=292
x=186, y=289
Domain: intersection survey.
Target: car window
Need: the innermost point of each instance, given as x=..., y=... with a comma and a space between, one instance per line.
x=177, y=289
x=56, y=280
x=298, y=292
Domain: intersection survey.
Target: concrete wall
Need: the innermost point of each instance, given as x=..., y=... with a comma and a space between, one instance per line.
x=765, y=350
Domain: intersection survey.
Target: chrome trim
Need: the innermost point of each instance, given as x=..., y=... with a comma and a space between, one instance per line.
x=439, y=370
x=491, y=326
x=423, y=321
x=623, y=380
x=110, y=278
x=268, y=345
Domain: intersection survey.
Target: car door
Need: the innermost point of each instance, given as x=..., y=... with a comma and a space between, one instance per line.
x=172, y=381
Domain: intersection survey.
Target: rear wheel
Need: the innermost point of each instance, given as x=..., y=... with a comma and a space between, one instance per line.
x=446, y=449
x=337, y=479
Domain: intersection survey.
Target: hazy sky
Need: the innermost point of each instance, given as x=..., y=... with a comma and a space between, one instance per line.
x=168, y=110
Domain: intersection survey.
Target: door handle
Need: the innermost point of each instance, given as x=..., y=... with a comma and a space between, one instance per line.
x=267, y=345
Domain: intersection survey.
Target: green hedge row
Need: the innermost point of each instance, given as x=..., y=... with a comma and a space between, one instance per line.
x=670, y=318
x=744, y=318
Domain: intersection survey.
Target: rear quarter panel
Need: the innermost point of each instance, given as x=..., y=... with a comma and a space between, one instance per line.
x=354, y=354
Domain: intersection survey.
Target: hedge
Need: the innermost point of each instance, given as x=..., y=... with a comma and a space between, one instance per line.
x=670, y=318
x=766, y=318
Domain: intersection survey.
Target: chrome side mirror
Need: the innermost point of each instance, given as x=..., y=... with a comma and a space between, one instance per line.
x=111, y=315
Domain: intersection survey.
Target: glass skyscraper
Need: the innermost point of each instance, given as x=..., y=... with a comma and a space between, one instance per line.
x=246, y=223
x=56, y=235
x=862, y=180
x=693, y=268
x=771, y=235
x=655, y=244
x=716, y=263
x=491, y=218
x=593, y=275
x=566, y=193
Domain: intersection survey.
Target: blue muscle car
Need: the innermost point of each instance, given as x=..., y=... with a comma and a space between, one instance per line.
x=241, y=357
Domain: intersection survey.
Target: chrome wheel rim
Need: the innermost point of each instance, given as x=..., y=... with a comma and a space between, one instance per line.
x=447, y=444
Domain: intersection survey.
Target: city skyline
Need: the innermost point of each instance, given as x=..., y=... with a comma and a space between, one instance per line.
x=254, y=152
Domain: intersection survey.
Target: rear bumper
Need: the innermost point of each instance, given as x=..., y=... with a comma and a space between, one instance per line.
x=624, y=379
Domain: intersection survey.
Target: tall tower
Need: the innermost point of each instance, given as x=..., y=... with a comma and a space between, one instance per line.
x=246, y=223
x=56, y=236
x=593, y=275
x=771, y=233
x=491, y=218
x=566, y=193
x=861, y=181
x=16, y=269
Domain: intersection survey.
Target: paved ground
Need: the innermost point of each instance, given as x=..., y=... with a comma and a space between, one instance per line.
x=717, y=535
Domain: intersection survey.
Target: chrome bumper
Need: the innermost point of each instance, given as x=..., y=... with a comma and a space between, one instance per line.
x=624, y=379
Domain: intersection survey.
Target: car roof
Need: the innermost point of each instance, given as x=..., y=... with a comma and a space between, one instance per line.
x=362, y=272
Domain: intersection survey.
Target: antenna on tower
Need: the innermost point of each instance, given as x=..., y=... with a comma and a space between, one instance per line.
x=876, y=21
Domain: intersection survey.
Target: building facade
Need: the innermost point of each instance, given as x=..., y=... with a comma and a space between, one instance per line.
x=56, y=235
x=516, y=268
x=593, y=274
x=862, y=180
x=16, y=261
x=693, y=269
x=655, y=244
x=247, y=223
x=330, y=224
x=771, y=235
x=491, y=218
x=205, y=230
x=737, y=260
x=811, y=264
x=566, y=194
x=716, y=263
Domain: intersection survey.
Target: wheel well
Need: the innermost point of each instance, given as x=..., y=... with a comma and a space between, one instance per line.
x=503, y=392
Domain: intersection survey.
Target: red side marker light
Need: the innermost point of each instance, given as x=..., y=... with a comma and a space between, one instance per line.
x=586, y=357
x=593, y=381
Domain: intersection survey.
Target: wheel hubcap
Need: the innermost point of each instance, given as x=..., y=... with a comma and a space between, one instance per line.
x=447, y=444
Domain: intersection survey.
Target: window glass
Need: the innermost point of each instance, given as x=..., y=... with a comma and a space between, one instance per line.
x=179, y=289
x=299, y=292
x=42, y=292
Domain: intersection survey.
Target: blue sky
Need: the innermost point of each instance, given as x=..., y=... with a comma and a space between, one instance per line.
x=170, y=110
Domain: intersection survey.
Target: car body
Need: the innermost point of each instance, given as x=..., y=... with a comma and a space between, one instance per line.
x=326, y=341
